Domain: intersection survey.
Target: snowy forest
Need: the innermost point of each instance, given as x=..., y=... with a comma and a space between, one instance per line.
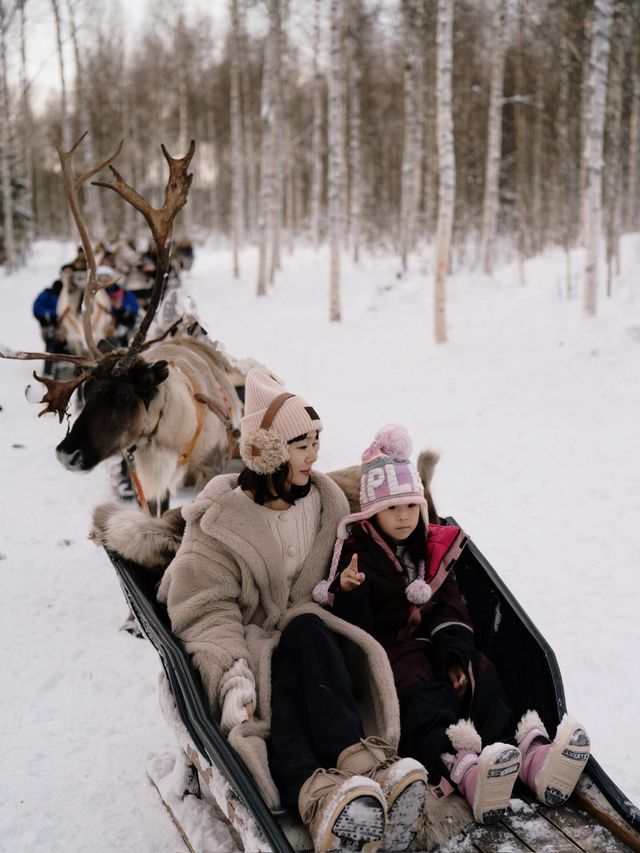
x=474, y=126
x=422, y=212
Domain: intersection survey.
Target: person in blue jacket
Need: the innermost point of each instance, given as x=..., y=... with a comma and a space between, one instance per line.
x=45, y=310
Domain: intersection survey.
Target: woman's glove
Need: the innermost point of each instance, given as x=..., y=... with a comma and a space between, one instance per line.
x=237, y=691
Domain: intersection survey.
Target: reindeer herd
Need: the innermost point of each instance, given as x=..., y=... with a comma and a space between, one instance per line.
x=169, y=405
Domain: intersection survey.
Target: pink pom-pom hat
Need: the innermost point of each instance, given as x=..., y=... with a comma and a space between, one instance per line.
x=387, y=479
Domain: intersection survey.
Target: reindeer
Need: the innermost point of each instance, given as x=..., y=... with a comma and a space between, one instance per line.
x=70, y=304
x=167, y=405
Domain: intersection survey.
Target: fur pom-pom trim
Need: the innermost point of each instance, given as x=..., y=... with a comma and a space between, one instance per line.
x=320, y=592
x=394, y=441
x=418, y=592
x=463, y=735
x=530, y=720
x=274, y=451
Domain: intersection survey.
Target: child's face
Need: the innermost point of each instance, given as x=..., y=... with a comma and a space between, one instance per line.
x=399, y=521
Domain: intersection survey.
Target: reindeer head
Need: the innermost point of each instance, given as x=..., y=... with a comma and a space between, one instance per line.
x=115, y=412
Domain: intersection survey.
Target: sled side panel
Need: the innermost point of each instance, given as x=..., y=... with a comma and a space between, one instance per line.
x=191, y=701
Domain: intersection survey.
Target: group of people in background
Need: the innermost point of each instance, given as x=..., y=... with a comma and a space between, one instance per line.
x=126, y=277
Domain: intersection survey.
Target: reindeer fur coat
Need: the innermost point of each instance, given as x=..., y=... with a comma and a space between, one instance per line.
x=228, y=598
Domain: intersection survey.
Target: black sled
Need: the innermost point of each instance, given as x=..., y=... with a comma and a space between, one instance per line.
x=597, y=819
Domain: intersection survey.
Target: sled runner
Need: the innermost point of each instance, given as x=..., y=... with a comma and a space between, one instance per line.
x=597, y=819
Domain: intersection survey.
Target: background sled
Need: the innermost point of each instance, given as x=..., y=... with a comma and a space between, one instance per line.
x=597, y=819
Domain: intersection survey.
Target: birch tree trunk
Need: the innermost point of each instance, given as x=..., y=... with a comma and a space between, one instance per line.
x=264, y=224
x=87, y=150
x=446, y=161
x=317, y=170
x=183, y=110
x=355, y=132
x=633, y=154
x=236, y=142
x=536, y=167
x=593, y=149
x=249, y=132
x=411, y=154
x=564, y=150
x=521, y=150
x=490, y=204
x=336, y=148
x=277, y=131
x=613, y=158
x=64, y=109
x=24, y=165
x=5, y=165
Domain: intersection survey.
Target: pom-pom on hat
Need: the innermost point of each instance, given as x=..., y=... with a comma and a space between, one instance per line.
x=387, y=479
x=272, y=417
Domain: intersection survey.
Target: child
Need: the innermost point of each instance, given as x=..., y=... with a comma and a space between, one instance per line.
x=390, y=576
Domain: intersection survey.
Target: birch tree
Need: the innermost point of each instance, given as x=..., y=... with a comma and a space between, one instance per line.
x=446, y=162
x=521, y=149
x=613, y=150
x=355, y=130
x=64, y=107
x=248, y=125
x=564, y=149
x=24, y=163
x=412, y=100
x=593, y=148
x=633, y=153
x=87, y=152
x=237, y=165
x=490, y=204
x=5, y=164
x=317, y=168
x=265, y=207
x=336, y=148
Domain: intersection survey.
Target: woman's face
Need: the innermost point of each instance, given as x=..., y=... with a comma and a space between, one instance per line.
x=302, y=454
x=399, y=521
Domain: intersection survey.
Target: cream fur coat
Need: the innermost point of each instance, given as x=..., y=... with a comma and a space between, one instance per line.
x=228, y=598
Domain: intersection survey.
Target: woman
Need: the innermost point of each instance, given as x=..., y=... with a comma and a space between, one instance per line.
x=239, y=596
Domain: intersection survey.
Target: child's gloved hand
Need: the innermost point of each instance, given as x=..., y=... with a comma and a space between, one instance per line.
x=458, y=678
x=351, y=578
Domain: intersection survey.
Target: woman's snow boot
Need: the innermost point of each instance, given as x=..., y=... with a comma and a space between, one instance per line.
x=552, y=768
x=403, y=781
x=342, y=811
x=485, y=777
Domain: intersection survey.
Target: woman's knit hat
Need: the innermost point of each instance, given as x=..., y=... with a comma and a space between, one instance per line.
x=272, y=417
x=387, y=479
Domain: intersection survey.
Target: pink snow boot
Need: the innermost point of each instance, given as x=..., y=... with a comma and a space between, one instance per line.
x=552, y=768
x=485, y=778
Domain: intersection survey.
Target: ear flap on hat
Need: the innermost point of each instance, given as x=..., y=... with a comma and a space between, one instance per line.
x=263, y=451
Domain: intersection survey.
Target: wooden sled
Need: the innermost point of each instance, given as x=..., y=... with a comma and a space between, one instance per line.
x=597, y=819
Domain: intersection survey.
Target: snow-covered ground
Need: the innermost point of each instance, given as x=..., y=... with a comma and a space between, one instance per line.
x=535, y=412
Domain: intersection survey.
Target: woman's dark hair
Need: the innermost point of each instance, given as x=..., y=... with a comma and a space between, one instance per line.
x=270, y=487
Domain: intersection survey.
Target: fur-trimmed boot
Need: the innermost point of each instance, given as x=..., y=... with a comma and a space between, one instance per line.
x=551, y=768
x=485, y=777
x=403, y=781
x=342, y=811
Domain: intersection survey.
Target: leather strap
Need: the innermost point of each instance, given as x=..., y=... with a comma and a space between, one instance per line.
x=269, y=415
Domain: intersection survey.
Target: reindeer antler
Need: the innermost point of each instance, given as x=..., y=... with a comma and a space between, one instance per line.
x=72, y=183
x=160, y=221
x=59, y=393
